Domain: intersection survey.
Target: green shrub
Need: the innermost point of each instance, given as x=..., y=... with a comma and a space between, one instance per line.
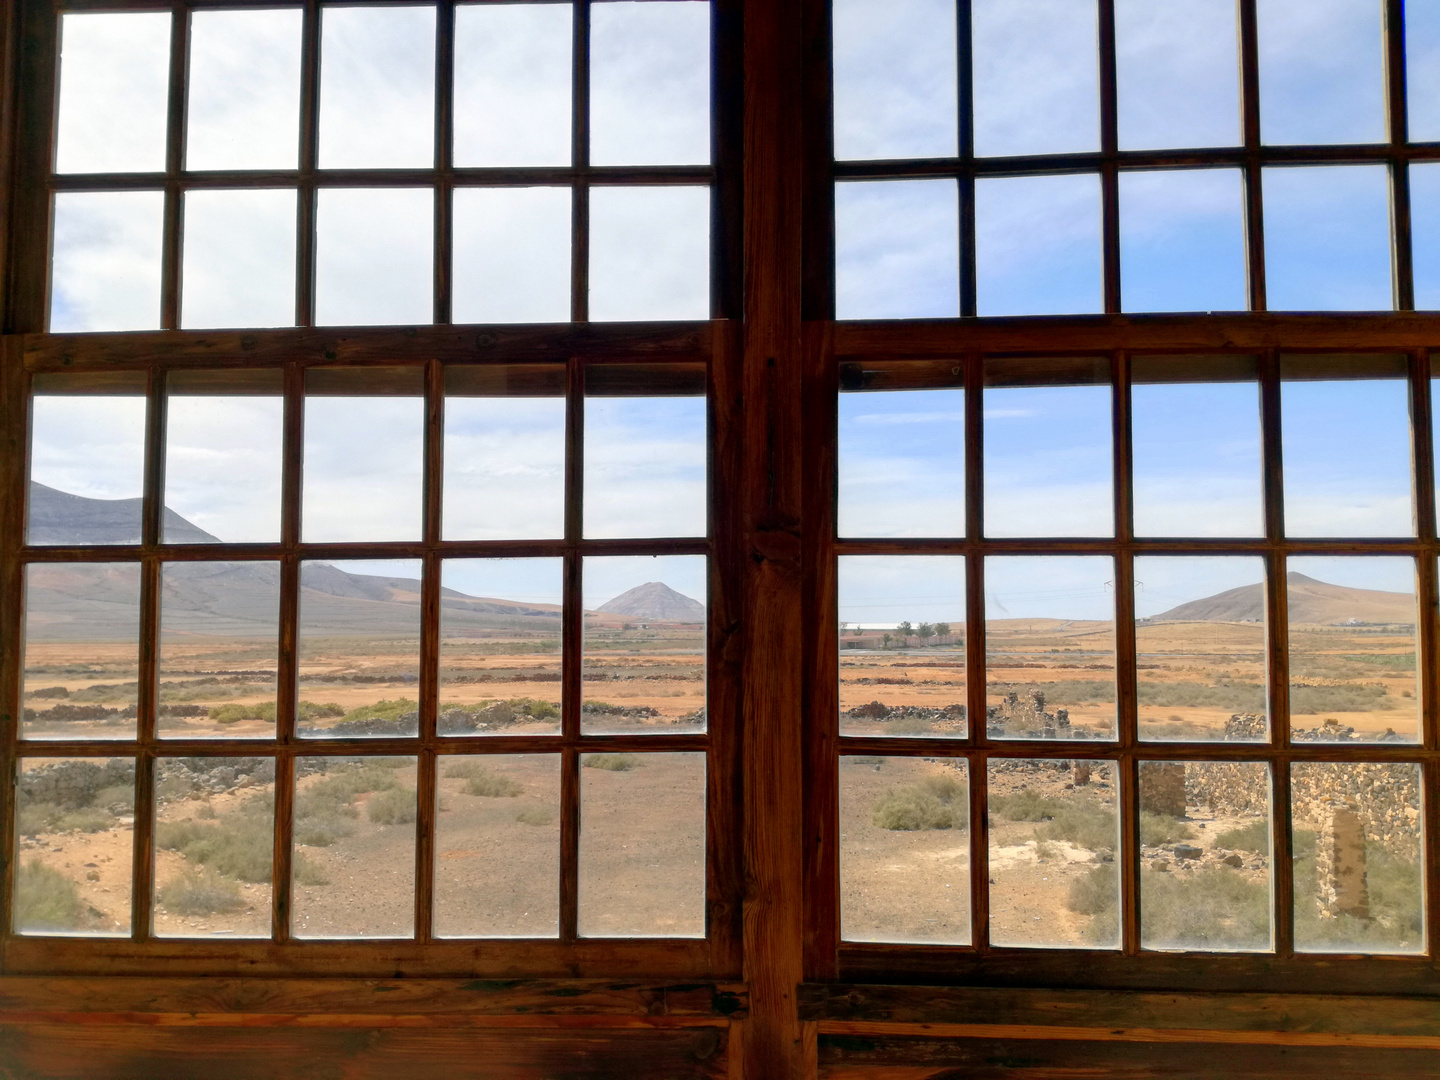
x=1027, y=804
x=1156, y=829
x=1213, y=908
x=311, y=710
x=40, y=817
x=1254, y=836
x=383, y=710
x=395, y=806
x=611, y=762
x=230, y=714
x=1396, y=920
x=490, y=786
x=535, y=815
x=1350, y=697
x=89, y=821
x=465, y=769
x=198, y=892
x=1082, y=822
x=305, y=871
x=937, y=802
x=1095, y=892
x=46, y=899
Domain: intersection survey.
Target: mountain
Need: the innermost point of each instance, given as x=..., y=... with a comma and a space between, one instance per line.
x=57, y=517
x=655, y=600
x=1310, y=601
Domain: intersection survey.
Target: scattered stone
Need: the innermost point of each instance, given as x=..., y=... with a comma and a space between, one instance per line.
x=1233, y=860
x=1187, y=851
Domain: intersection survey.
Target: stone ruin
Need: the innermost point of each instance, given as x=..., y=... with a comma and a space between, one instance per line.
x=1028, y=719
x=1340, y=863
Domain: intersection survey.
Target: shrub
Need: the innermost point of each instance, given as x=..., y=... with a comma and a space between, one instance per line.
x=1027, y=804
x=305, y=871
x=1350, y=697
x=115, y=796
x=37, y=817
x=383, y=710
x=46, y=899
x=465, y=769
x=196, y=892
x=909, y=725
x=89, y=821
x=611, y=762
x=1213, y=908
x=1396, y=911
x=240, y=845
x=535, y=815
x=1083, y=823
x=310, y=710
x=230, y=714
x=1252, y=837
x=1158, y=829
x=490, y=786
x=395, y=806
x=1095, y=892
x=937, y=802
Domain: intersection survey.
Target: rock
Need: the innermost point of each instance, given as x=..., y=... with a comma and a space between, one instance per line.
x=1233, y=860
x=1161, y=866
x=1187, y=851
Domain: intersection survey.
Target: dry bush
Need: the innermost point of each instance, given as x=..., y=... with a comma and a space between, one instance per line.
x=611, y=762
x=200, y=892
x=395, y=806
x=936, y=802
x=535, y=815
x=46, y=899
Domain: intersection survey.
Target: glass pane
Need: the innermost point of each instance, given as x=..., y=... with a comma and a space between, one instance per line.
x=504, y=454
x=1352, y=649
x=649, y=253
x=1321, y=71
x=512, y=255
x=1196, y=451
x=1205, y=855
x=363, y=467
x=374, y=262
x=512, y=84
x=902, y=463
x=1182, y=241
x=244, y=77
x=1037, y=241
x=649, y=83
x=359, y=649
x=1047, y=459
x=114, y=90
x=1422, y=68
x=223, y=460
x=1054, y=833
x=500, y=643
x=377, y=87
x=214, y=846
x=905, y=850
x=1358, y=842
x=1425, y=227
x=1327, y=238
x=1178, y=73
x=87, y=468
x=219, y=651
x=1329, y=489
x=75, y=820
x=897, y=250
x=239, y=259
x=1200, y=645
x=82, y=650
x=642, y=874
x=1050, y=647
x=644, y=644
x=900, y=613
x=497, y=846
x=354, y=854
x=645, y=466
x=105, y=261
x=895, y=79
x=1037, y=77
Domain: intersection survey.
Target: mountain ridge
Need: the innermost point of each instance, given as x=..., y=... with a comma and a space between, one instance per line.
x=1309, y=601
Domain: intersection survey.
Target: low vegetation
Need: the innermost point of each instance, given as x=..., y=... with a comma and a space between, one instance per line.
x=610, y=762
x=200, y=892
x=936, y=802
x=395, y=806
x=1156, y=829
x=535, y=815
x=46, y=899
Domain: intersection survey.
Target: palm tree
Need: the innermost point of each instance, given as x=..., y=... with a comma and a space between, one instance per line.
x=904, y=630
x=926, y=631
x=885, y=640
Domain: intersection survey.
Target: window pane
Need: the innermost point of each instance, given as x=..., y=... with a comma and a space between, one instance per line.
x=377, y=87
x=645, y=466
x=214, y=846
x=1050, y=647
x=239, y=259
x=1054, y=834
x=1205, y=855
x=1321, y=71
x=1422, y=68
x=899, y=613
x=374, y=257
x=244, y=78
x=1178, y=70
x=87, y=468
x=223, y=459
x=1329, y=489
x=497, y=846
x=902, y=463
x=512, y=84
x=642, y=874
x=82, y=650
x=644, y=644
x=897, y=250
x=1200, y=642
x=74, y=818
x=1327, y=238
x=1182, y=241
x=500, y=643
x=1196, y=448
x=105, y=261
x=1036, y=77
x=1357, y=841
x=1037, y=241
x=354, y=854
x=1048, y=470
x=504, y=455
x=1425, y=230
x=895, y=79
x=114, y=88
x=649, y=253
x=1352, y=649
x=363, y=467
x=219, y=649
x=905, y=850
x=359, y=649
x=512, y=255
x=649, y=83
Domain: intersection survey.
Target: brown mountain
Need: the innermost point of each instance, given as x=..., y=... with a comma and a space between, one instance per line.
x=655, y=600
x=1310, y=601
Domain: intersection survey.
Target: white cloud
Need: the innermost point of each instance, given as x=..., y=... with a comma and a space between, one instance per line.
x=105, y=273
x=114, y=86
x=890, y=588
x=362, y=468
x=1321, y=71
x=606, y=577
x=89, y=445
x=645, y=467
x=244, y=86
x=1178, y=73
x=897, y=249
x=511, y=255
x=223, y=463
x=374, y=256
x=239, y=266
x=649, y=253
x=504, y=468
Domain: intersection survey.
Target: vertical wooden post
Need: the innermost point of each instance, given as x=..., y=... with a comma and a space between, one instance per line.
x=774, y=660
